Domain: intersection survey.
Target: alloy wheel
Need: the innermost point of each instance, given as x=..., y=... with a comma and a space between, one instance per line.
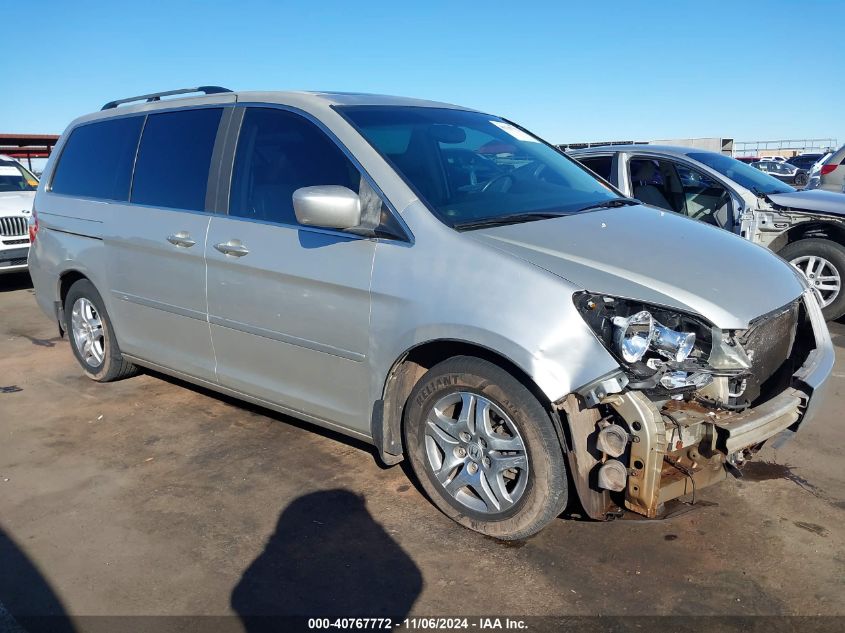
x=475, y=452
x=87, y=331
x=823, y=276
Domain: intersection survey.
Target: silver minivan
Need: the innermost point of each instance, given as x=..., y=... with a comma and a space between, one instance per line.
x=431, y=279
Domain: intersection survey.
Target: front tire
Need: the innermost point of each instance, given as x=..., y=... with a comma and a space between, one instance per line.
x=484, y=449
x=92, y=336
x=823, y=263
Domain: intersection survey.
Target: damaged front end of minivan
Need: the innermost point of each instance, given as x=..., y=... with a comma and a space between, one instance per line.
x=690, y=402
x=784, y=218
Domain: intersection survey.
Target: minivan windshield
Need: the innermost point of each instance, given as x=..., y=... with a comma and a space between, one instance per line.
x=13, y=177
x=749, y=177
x=473, y=169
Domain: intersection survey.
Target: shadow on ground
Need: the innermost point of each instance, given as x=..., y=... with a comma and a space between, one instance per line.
x=15, y=281
x=329, y=558
x=27, y=601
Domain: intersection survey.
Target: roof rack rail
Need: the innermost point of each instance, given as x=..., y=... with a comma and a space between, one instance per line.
x=156, y=96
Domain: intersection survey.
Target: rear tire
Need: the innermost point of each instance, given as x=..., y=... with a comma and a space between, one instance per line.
x=823, y=259
x=484, y=449
x=91, y=335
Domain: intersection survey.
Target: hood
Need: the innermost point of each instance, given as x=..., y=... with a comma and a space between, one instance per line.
x=817, y=200
x=14, y=202
x=656, y=257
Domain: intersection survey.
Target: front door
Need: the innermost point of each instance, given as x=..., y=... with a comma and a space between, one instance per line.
x=289, y=305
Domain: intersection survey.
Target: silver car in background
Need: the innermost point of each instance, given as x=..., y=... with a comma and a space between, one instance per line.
x=431, y=279
x=831, y=172
x=814, y=174
x=806, y=228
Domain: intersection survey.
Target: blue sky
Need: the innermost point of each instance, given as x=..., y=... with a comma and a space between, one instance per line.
x=568, y=71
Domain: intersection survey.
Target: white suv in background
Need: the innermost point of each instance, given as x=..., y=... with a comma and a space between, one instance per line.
x=17, y=192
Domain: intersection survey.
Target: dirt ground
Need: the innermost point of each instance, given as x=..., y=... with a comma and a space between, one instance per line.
x=153, y=497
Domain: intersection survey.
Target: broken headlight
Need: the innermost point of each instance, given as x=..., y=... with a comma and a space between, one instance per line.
x=660, y=348
x=633, y=336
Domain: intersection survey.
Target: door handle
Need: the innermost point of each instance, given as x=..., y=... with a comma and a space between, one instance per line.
x=182, y=238
x=233, y=248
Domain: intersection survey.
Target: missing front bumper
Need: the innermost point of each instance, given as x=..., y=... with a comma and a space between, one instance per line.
x=662, y=467
x=681, y=447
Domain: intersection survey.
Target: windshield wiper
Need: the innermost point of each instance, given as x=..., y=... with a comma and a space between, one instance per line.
x=517, y=218
x=610, y=204
x=513, y=218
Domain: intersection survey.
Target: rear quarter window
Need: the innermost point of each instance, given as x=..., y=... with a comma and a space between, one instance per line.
x=174, y=158
x=96, y=161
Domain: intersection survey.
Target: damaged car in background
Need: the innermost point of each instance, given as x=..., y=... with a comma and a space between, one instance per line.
x=806, y=228
x=434, y=280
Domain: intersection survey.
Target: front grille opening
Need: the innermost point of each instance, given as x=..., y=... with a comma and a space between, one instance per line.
x=775, y=377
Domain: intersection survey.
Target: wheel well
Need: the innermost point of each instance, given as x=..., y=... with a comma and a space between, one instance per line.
x=406, y=372
x=810, y=229
x=66, y=280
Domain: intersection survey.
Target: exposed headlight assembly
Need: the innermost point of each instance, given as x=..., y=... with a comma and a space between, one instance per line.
x=661, y=348
x=634, y=335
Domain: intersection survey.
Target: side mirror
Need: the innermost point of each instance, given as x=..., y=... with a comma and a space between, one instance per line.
x=327, y=206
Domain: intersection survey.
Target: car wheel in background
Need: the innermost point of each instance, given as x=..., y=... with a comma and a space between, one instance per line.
x=823, y=263
x=801, y=179
x=92, y=336
x=485, y=449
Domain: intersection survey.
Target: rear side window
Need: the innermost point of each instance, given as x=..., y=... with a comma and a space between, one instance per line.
x=601, y=165
x=174, y=158
x=96, y=161
x=279, y=152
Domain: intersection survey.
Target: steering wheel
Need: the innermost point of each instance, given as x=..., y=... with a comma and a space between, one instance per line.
x=506, y=181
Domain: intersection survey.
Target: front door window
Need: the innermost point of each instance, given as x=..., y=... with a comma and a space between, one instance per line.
x=677, y=187
x=704, y=198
